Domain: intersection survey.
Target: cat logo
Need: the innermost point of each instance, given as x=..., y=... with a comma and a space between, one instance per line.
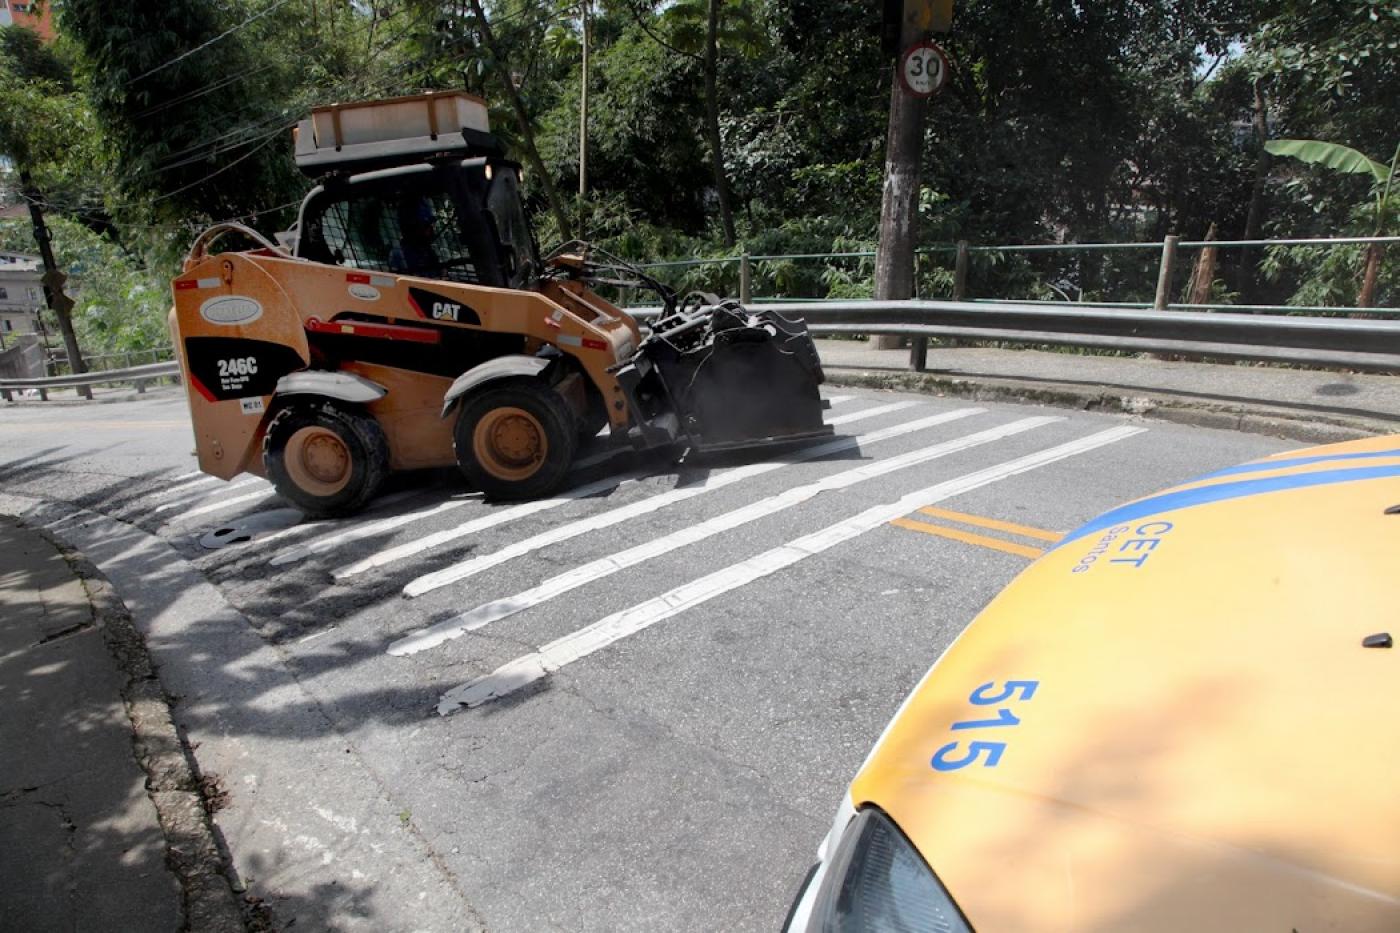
x=445, y=310
x=435, y=307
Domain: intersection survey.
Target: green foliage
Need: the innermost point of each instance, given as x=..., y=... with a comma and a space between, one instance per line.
x=1333, y=155
x=120, y=302
x=28, y=59
x=1324, y=277
x=46, y=127
x=1061, y=122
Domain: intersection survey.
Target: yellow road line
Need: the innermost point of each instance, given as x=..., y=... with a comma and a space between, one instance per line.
x=967, y=537
x=993, y=523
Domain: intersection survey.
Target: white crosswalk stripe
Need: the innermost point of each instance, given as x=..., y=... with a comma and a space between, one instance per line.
x=225, y=504
x=499, y=609
x=499, y=516
x=529, y=668
x=462, y=571
x=187, y=499
x=377, y=506
x=182, y=487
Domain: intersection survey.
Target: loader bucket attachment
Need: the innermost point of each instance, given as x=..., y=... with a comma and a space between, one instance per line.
x=724, y=377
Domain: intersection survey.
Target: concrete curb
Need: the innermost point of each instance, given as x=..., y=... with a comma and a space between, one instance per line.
x=192, y=852
x=1306, y=427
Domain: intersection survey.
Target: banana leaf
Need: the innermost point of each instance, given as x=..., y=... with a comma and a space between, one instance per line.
x=1332, y=155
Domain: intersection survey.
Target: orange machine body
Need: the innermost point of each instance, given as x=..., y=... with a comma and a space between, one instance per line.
x=243, y=321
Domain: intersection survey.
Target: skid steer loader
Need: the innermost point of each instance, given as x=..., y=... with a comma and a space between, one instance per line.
x=408, y=321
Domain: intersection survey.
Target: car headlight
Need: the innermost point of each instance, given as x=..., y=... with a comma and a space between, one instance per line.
x=876, y=881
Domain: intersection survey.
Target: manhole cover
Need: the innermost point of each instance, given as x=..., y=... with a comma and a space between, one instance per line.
x=245, y=529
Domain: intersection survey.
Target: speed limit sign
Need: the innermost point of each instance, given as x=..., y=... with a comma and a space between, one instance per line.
x=923, y=69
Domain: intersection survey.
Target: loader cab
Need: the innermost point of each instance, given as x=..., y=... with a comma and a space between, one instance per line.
x=458, y=220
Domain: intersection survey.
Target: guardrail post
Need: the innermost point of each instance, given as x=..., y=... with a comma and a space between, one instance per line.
x=918, y=346
x=745, y=279
x=1164, y=274
x=43, y=394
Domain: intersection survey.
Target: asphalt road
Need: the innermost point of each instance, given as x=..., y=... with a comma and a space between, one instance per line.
x=630, y=709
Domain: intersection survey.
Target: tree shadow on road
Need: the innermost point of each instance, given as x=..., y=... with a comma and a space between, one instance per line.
x=256, y=668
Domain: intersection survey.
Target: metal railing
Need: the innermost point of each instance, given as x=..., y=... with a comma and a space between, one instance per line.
x=1309, y=336
x=139, y=376
x=1363, y=345
x=125, y=359
x=1161, y=278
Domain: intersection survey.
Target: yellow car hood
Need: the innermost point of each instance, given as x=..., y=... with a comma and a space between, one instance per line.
x=1207, y=744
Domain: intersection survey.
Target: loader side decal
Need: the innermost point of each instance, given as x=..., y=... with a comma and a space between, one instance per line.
x=434, y=307
x=225, y=368
x=231, y=310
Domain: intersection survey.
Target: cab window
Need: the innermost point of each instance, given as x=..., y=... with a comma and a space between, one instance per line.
x=414, y=231
x=504, y=205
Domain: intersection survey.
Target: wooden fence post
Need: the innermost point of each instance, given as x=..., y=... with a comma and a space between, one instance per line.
x=960, y=272
x=1164, y=274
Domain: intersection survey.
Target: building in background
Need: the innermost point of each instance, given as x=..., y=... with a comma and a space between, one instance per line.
x=21, y=295
x=30, y=15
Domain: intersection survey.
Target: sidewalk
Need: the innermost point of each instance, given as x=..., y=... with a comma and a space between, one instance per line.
x=81, y=843
x=1308, y=405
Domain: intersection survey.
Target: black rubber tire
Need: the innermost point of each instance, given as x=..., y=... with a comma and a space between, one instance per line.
x=363, y=438
x=548, y=408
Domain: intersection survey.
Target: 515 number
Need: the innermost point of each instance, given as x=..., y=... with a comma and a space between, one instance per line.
x=952, y=757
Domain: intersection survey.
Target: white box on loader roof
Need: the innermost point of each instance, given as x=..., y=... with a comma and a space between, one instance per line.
x=396, y=130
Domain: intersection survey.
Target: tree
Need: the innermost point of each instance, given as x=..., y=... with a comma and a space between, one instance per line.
x=647, y=162
x=697, y=29
x=1348, y=161
x=506, y=82
x=195, y=119
x=40, y=121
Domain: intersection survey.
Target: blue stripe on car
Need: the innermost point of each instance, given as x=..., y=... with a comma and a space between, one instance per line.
x=1204, y=495
x=1263, y=465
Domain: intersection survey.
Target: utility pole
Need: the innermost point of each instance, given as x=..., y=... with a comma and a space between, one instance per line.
x=59, y=303
x=583, y=122
x=899, y=205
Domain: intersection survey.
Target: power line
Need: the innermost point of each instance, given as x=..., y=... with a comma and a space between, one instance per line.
x=209, y=148
x=208, y=89
x=195, y=184
x=204, y=45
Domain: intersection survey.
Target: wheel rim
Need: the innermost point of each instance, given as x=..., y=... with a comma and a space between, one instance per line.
x=510, y=443
x=318, y=461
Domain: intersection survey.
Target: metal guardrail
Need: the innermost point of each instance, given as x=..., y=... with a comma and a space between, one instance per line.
x=1168, y=265
x=139, y=376
x=1365, y=345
